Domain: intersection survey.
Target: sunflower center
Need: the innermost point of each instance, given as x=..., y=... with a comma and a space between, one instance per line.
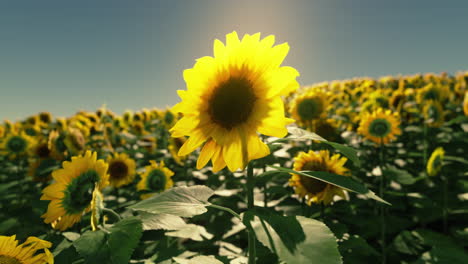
x=310, y=108
x=8, y=260
x=79, y=192
x=312, y=185
x=118, y=170
x=156, y=181
x=232, y=102
x=43, y=151
x=17, y=144
x=380, y=127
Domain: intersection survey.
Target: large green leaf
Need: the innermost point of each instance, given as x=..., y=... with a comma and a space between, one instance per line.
x=180, y=201
x=319, y=245
x=344, y=182
x=301, y=134
x=115, y=247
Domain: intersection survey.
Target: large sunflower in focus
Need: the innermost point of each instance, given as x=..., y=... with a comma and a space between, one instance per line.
x=380, y=126
x=32, y=251
x=232, y=96
x=71, y=194
x=315, y=191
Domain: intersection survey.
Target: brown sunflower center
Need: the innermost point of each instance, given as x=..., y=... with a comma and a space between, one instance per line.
x=310, y=184
x=43, y=151
x=232, y=102
x=118, y=170
x=8, y=260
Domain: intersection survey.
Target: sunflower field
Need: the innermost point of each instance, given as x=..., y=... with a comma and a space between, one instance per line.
x=249, y=167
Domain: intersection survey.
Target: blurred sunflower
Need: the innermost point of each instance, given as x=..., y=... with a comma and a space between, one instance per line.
x=308, y=106
x=433, y=113
x=71, y=193
x=431, y=92
x=40, y=149
x=465, y=104
x=174, y=145
x=315, y=191
x=121, y=169
x=155, y=179
x=232, y=96
x=16, y=144
x=32, y=251
x=56, y=145
x=380, y=126
x=434, y=165
x=74, y=141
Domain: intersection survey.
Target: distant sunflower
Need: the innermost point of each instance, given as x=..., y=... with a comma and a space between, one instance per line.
x=434, y=165
x=32, y=251
x=433, y=113
x=155, y=179
x=380, y=126
x=232, y=96
x=16, y=144
x=308, y=106
x=71, y=193
x=56, y=144
x=40, y=149
x=315, y=191
x=174, y=145
x=431, y=92
x=121, y=169
x=75, y=141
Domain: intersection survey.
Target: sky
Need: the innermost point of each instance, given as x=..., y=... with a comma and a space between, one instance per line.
x=64, y=56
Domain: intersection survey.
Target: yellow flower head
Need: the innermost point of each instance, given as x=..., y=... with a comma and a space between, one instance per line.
x=315, y=191
x=436, y=161
x=232, y=96
x=71, y=193
x=16, y=144
x=174, y=145
x=433, y=113
x=308, y=106
x=155, y=179
x=32, y=251
x=121, y=169
x=380, y=126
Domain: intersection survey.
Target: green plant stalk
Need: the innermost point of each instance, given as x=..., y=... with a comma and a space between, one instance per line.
x=382, y=208
x=250, y=206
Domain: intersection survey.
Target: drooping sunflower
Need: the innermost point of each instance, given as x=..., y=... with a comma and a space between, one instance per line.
x=435, y=162
x=32, y=251
x=121, y=169
x=433, y=113
x=315, y=191
x=232, y=96
x=16, y=144
x=71, y=193
x=380, y=126
x=308, y=106
x=155, y=179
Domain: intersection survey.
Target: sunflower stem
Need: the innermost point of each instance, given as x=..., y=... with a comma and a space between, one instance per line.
x=112, y=212
x=382, y=208
x=250, y=206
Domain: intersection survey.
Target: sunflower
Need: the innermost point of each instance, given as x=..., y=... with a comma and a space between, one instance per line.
x=74, y=141
x=308, y=106
x=174, y=145
x=380, y=126
x=315, y=191
x=121, y=169
x=32, y=251
x=232, y=96
x=433, y=113
x=435, y=161
x=16, y=144
x=465, y=104
x=40, y=149
x=431, y=92
x=56, y=144
x=71, y=193
x=155, y=179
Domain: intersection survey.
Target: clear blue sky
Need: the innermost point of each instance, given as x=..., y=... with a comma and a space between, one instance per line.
x=62, y=56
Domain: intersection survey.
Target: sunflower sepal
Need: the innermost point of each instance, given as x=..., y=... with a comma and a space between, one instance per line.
x=346, y=183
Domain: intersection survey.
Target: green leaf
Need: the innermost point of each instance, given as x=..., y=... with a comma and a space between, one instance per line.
x=344, y=182
x=319, y=246
x=400, y=176
x=113, y=248
x=161, y=221
x=198, y=260
x=180, y=201
x=191, y=231
x=301, y=134
x=456, y=159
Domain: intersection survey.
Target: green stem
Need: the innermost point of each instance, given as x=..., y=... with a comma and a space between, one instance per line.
x=382, y=206
x=229, y=210
x=112, y=212
x=250, y=206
